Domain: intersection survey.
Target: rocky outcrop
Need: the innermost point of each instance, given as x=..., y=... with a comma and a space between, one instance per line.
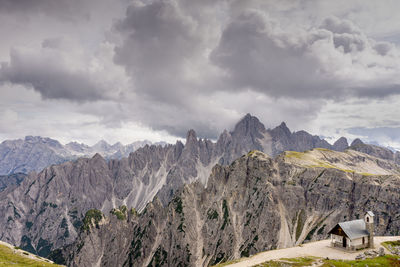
x=341, y=144
x=46, y=210
x=356, y=142
x=11, y=180
x=376, y=151
x=257, y=203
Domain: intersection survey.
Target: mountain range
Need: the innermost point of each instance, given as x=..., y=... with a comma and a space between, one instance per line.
x=257, y=203
x=46, y=211
x=34, y=153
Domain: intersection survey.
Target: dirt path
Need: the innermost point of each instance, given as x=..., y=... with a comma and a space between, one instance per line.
x=316, y=249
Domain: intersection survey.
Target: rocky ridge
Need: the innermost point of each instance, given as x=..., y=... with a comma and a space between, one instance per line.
x=46, y=210
x=34, y=153
x=257, y=203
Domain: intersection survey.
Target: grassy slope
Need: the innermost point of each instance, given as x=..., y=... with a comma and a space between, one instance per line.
x=17, y=258
x=387, y=260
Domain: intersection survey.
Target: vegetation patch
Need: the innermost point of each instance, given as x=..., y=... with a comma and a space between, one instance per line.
x=294, y=154
x=284, y=262
x=10, y=258
x=387, y=260
x=391, y=245
x=212, y=214
x=134, y=212
x=252, y=153
x=226, y=214
x=92, y=217
x=300, y=223
x=120, y=213
x=160, y=258
x=178, y=205
x=28, y=225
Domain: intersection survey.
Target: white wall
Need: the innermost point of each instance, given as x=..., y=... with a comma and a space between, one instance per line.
x=358, y=241
x=337, y=238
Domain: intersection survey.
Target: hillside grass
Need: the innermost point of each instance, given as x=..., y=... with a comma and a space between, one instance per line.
x=387, y=260
x=393, y=244
x=19, y=258
x=308, y=160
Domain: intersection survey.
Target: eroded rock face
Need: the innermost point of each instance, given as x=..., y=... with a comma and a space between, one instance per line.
x=341, y=144
x=255, y=204
x=45, y=211
x=11, y=180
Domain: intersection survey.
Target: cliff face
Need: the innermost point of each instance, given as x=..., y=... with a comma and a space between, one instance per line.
x=255, y=204
x=45, y=211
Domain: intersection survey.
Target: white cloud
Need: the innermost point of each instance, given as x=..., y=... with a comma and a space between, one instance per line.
x=159, y=68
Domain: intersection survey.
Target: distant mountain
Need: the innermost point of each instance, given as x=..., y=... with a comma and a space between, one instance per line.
x=257, y=203
x=46, y=211
x=34, y=153
x=377, y=151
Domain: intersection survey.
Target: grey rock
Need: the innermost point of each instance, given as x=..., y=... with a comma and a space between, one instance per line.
x=356, y=142
x=255, y=204
x=360, y=256
x=340, y=144
x=34, y=153
x=11, y=180
x=44, y=212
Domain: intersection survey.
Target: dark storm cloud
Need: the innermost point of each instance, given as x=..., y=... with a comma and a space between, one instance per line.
x=181, y=64
x=158, y=42
x=62, y=9
x=50, y=77
x=258, y=54
x=165, y=48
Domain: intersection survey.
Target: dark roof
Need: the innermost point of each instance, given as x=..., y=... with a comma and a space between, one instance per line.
x=353, y=229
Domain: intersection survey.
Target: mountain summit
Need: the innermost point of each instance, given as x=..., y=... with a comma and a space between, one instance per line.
x=46, y=210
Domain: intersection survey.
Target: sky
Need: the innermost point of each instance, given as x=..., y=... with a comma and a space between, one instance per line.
x=119, y=70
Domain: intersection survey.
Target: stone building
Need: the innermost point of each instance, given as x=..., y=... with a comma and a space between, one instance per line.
x=355, y=234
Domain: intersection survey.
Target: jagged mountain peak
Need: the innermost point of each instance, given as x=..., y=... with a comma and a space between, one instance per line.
x=282, y=129
x=191, y=136
x=341, y=144
x=101, y=143
x=357, y=141
x=283, y=125
x=248, y=125
x=97, y=156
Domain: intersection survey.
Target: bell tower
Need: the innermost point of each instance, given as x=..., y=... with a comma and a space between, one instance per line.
x=369, y=225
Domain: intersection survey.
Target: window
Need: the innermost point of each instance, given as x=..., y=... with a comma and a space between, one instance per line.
x=367, y=219
x=363, y=241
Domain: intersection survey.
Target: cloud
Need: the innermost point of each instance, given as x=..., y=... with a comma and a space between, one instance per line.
x=76, y=10
x=173, y=65
x=330, y=61
x=49, y=75
x=159, y=49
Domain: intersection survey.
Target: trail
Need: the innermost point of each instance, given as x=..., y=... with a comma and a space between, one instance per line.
x=317, y=249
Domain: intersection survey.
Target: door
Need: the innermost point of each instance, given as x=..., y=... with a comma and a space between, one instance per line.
x=344, y=241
